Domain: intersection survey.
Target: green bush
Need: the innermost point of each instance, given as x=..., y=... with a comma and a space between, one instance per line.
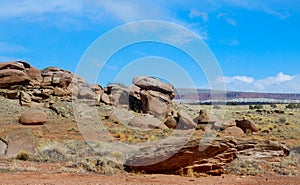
x=293, y=106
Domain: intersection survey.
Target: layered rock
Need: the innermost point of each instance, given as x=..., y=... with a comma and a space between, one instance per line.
x=172, y=155
x=19, y=80
x=155, y=96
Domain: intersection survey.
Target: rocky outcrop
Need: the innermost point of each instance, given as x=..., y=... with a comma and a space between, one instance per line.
x=246, y=125
x=13, y=73
x=33, y=117
x=255, y=149
x=154, y=96
x=175, y=154
x=19, y=80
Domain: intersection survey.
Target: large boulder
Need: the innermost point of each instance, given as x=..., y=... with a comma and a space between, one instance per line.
x=223, y=124
x=151, y=95
x=156, y=103
x=10, y=77
x=21, y=141
x=247, y=125
x=174, y=154
x=235, y=132
x=151, y=83
x=33, y=117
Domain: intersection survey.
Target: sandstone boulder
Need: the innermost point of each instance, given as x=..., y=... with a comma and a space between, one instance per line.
x=235, y=132
x=173, y=154
x=10, y=77
x=151, y=83
x=105, y=99
x=185, y=122
x=33, y=117
x=246, y=125
x=86, y=93
x=21, y=141
x=255, y=149
x=223, y=124
x=147, y=122
x=171, y=122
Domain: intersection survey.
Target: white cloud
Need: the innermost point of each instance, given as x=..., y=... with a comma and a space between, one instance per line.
x=227, y=18
x=194, y=14
x=10, y=48
x=276, y=8
x=281, y=83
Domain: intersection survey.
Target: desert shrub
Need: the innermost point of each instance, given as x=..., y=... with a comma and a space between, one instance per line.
x=293, y=106
x=252, y=107
x=282, y=120
x=22, y=156
x=217, y=107
x=273, y=105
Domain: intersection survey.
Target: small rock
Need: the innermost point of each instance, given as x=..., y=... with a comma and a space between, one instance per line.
x=33, y=117
x=205, y=117
x=246, y=125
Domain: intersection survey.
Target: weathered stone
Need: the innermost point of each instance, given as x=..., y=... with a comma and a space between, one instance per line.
x=234, y=131
x=10, y=77
x=35, y=75
x=86, y=93
x=12, y=94
x=155, y=103
x=205, y=117
x=171, y=155
x=58, y=91
x=255, y=149
x=147, y=122
x=3, y=147
x=171, y=122
x=223, y=124
x=21, y=141
x=105, y=99
x=151, y=83
x=33, y=117
x=246, y=125
x=25, y=99
x=18, y=65
x=185, y=122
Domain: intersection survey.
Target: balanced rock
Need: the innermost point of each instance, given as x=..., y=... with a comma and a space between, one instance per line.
x=151, y=83
x=246, y=125
x=33, y=117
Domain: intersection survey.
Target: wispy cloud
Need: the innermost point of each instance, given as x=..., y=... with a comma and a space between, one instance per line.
x=228, y=19
x=281, y=83
x=10, y=48
x=195, y=14
x=276, y=8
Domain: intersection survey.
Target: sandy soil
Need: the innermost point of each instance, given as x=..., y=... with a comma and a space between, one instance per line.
x=71, y=178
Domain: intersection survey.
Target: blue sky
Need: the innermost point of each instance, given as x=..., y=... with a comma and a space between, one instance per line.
x=256, y=43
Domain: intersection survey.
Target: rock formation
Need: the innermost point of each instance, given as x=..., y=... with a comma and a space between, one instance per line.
x=176, y=154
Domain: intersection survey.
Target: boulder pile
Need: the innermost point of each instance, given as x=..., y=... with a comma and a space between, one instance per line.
x=19, y=80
